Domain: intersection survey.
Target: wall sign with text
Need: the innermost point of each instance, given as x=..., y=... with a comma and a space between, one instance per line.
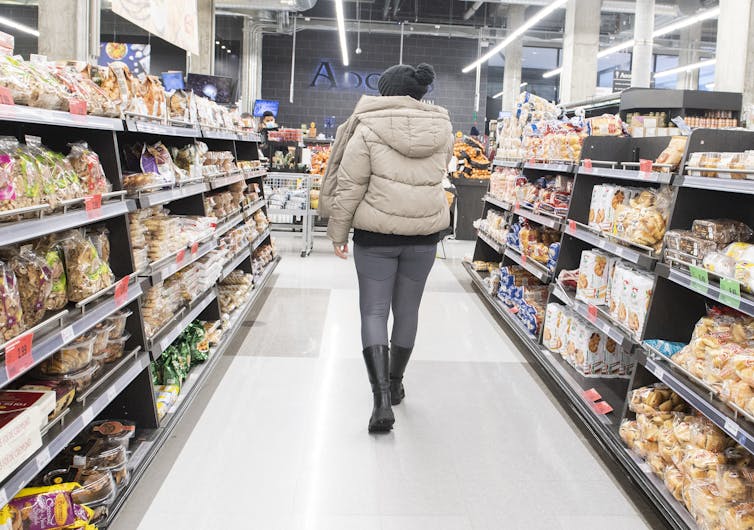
x=327, y=78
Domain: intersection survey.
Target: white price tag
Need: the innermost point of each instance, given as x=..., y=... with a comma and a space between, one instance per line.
x=3, y=498
x=731, y=427
x=87, y=416
x=67, y=334
x=659, y=373
x=645, y=468
x=112, y=393
x=43, y=458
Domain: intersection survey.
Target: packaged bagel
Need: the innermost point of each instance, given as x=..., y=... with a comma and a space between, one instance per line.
x=657, y=399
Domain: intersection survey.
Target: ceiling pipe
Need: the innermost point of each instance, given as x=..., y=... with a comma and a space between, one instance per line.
x=396, y=8
x=473, y=9
x=608, y=6
x=386, y=10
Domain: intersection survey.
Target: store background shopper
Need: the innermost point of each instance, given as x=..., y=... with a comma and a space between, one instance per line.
x=385, y=181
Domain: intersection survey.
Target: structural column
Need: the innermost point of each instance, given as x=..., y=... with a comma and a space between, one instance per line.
x=251, y=64
x=513, y=60
x=64, y=29
x=644, y=27
x=734, y=67
x=689, y=54
x=581, y=42
x=204, y=63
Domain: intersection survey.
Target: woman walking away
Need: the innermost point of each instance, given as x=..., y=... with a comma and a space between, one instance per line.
x=384, y=179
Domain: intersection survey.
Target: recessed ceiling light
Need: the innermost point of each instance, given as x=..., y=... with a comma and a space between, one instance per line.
x=228, y=50
x=437, y=26
x=222, y=47
x=217, y=42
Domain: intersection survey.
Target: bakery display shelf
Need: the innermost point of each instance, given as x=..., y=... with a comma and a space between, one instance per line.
x=148, y=448
x=656, y=177
x=644, y=258
x=64, y=328
x=499, y=203
x=503, y=162
x=16, y=232
x=736, y=425
x=554, y=167
x=254, y=173
x=110, y=369
x=541, y=272
x=234, y=262
x=227, y=179
x=80, y=415
x=251, y=209
x=160, y=270
x=743, y=302
x=219, y=134
x=505, y=312
x=22, y=114
x=165, y=336
x=227, y=223
x=162, y=129
x=494, y=245
x=260, y=239
x=147, y=199
x=541, y=218
x=717, y=184
x=597, y=316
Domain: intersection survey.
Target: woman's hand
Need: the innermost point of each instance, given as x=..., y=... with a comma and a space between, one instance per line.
x=341, y=250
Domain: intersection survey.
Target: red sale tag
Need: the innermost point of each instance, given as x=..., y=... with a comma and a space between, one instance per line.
x=532, y=161
x=121, y=291
x=591, y=395
x=645, y=166
x=77, y=106
x=6, y=98
x=588, y=163
x=181, y=255
x=592, y=313
x=602, y=408
x=571, y=225
x=93, y=205
x=195, y=248
x=523, y=259
x=18, y=355
x=515, y=206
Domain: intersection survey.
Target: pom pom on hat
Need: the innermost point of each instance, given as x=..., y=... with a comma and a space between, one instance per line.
x=405, y=80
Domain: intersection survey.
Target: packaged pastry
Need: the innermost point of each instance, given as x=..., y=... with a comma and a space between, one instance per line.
x=740, y=251
x=706, y=435
x=34, y=285
x=744, y=274
x=81, y=379
x=595, y=270
x=673, y=479
x=734, y=483
x=673, y=153
x=100, y=239
x=589, y=358
x=58, y=297
x=49, y=507
x=706, y=503
x=629, y=432
x=115, y=348
x=101, y=334
x=656, y=399
x=11, y=315
x=71, y=358
x=87, y=273
x=65, y=391
x=720, y=264
x=738, y=516
x=639, y=289
x=87, y=165
x=686, y=242
x=118, y=431
x=649, y=426
x=721, y=231
x=97, y=487
x=118, y=320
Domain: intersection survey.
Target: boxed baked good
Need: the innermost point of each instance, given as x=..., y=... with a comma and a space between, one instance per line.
x=64, y=394
x=640, y=288
x=24, y=413
x=721, y=231
x=595, y=269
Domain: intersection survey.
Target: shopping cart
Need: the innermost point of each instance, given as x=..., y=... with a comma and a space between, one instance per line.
x=289, y=205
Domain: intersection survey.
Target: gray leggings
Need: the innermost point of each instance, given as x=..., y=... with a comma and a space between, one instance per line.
x=391, y=276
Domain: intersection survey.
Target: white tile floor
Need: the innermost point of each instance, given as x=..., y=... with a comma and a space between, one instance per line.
x=278, y=439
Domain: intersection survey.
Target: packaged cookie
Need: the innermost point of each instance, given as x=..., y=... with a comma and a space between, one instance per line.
x=595, y=270
x=640, y=287
x=34, y=284
x=721, y=231
x=58, y=297
x=11, y=314
x=550, y=337
x=87, y=273
x=613, y=357
x=70, y=358
x=590, y=345
x=87, y=165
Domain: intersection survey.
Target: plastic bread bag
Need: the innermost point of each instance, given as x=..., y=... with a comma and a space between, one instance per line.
x=720, y=264
x=651, y=209
x=156, y=159
x=649, y=426
x=700, y=464
x=718, y=367
x=99, y=236
x=706, y=504
x=11, y=314
x=86, y=272
x=734, y=483
x=737, y=516
x=15, y=79
x=34, y=279
x=86, y=164
x=50, y=508
x=656, y=399
x=62, y=180
x=673, y=479
x=706, y=435
x=672, y=154
x=722, y=231
x=36, y=170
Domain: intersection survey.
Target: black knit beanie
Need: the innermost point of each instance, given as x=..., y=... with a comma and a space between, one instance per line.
x=405, y=80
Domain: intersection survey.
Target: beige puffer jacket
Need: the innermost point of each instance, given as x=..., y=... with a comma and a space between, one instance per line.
x=386, y=169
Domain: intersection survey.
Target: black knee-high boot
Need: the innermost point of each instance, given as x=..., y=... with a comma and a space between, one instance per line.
x=399, y=357
x=376, y=359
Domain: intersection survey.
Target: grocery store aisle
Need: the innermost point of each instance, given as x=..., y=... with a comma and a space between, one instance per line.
x=277, y=440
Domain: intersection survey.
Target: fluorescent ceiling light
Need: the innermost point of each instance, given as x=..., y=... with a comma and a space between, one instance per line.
x=20, y=27
x=498, y=94
x=670, y=28
x=685, y=68
x=342, y=30
x=522, y=85
x=533, y=21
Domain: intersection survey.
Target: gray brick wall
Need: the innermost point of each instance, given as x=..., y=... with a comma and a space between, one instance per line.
x=453, y=90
